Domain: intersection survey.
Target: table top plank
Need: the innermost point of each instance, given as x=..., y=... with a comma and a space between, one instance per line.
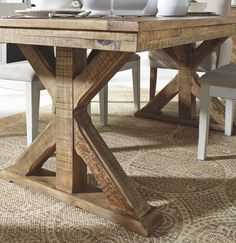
x=126, y=34
x=127, y=24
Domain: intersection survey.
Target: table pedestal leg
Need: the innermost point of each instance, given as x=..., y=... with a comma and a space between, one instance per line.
x=185, y=84
x=78, y=145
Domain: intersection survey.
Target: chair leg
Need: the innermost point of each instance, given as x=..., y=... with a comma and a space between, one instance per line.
x=153, y=82
x=89, y=109
x=103, y=104
x=229, y=117
x=136, y=85
x=32, y=93
x=204, y=118
x=53, y=109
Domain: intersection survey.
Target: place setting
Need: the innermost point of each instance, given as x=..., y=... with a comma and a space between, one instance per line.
x=112, y=9
x=88, y=8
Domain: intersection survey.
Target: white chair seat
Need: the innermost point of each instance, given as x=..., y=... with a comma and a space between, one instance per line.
x=218, y=83
x=22, y=72
x=222, y=77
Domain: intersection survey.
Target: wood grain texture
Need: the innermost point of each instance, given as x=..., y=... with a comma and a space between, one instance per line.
x=71, y=169
x=127, y=24
x=233, y=56
x=126, y=34
x=74, y=82
x=186, y=58
x=187, y=101
x=89, y=145
x=93, y=202
x=92, y=79
x=37, y=153
x=119, y=190
x=163, y=97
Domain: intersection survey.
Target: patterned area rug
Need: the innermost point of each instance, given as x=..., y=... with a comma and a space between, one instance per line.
x=197, y=198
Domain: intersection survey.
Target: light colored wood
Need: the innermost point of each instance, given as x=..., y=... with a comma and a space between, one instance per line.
x=83, y=39
x=37, y=153
x=163, y=97
x=88, y=143
x=186, y=59
x=187, y=101
x=127, y=24
x=71, y=169
x=126, y=34
x=120, y=192
x=77, y=141
x=233, y=56
x=110, y=62
x=93, y=202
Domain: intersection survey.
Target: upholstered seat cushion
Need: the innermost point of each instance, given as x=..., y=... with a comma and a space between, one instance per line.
x=224, y=76
x=22, y=72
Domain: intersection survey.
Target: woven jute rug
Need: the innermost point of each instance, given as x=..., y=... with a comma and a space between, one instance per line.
x=196, y=198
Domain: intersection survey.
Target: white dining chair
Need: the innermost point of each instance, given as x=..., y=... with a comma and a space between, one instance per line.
x=220, y=82
x=132, y=64
x=18, y=74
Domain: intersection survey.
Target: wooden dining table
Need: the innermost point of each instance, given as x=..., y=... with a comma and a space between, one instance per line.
x=73, y=79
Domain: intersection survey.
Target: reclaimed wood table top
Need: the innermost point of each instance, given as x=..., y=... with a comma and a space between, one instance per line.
x=125, y=34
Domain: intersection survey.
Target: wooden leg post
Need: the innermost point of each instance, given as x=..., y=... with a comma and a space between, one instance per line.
x=78, y=145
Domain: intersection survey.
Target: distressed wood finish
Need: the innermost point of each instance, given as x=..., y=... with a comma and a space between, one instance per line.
x=73, y=80
x=130, y=35
x=186, y=59
x=233, y=56
x=71, y=169
x=115, y=184
x=37, y=153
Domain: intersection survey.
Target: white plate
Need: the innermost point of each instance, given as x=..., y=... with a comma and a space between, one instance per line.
x=37, y=12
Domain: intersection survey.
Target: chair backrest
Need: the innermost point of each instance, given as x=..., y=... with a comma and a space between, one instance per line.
x=10, y=52
x=221, y=7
